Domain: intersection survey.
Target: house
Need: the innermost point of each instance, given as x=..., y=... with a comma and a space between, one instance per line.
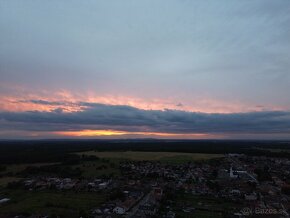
x=251, y=197
x=170, y=214
x=233, y=174
x=91, y=185
x=103, y=185
x=119, y=210
x=97, y=211
x=148, y=209
x=235, y=192
x=158, y=192
x=4, y=200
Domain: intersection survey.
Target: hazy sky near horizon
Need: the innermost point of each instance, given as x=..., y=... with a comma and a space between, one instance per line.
x=216, y=60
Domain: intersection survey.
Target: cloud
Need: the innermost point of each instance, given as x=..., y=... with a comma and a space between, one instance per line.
x=228, y=50
x=126, y=118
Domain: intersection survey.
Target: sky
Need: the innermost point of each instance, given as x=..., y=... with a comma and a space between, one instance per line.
x=202, y=69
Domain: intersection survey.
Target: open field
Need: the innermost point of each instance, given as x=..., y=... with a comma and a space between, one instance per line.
x=275, y=150
x=152, y=156
x=69, y=204
x=91, y=169
x=5, y=180
x=198, y=213
x=11, y=172
x=13, y=169
x=205, y=206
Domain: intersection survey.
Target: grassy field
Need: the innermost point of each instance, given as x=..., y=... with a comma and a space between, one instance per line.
x=153, y=156
x=198, y=213
x=69, y=204
x=109, y=167
x=275, y=150
x=213, y=206
x=5, y=180
x=92, y=169
x=10, y=174
x=16, y=168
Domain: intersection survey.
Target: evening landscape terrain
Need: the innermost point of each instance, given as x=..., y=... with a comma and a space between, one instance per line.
x=144, y=108
x=74, y=178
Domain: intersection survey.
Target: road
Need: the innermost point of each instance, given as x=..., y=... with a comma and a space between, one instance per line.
x=133, y=210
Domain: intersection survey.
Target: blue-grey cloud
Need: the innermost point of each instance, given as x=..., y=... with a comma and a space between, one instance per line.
x=126, y=118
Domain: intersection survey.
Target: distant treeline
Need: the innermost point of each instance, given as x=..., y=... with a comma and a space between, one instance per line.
x=60, y=150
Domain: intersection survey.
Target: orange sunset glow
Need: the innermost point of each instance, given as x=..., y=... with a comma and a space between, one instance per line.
x=92, y=133
x=69, y=102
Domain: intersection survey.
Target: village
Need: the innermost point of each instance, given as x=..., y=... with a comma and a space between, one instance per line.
x=247, y=185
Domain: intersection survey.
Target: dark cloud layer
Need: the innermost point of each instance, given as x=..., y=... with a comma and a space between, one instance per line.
x=126, y=118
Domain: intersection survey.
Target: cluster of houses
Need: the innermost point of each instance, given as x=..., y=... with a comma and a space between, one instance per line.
x=42, y=183
x=262, y=182
x=236, y=178
x=138, y=199
x=258, y=183
x=135, y=204
x=118, y=206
